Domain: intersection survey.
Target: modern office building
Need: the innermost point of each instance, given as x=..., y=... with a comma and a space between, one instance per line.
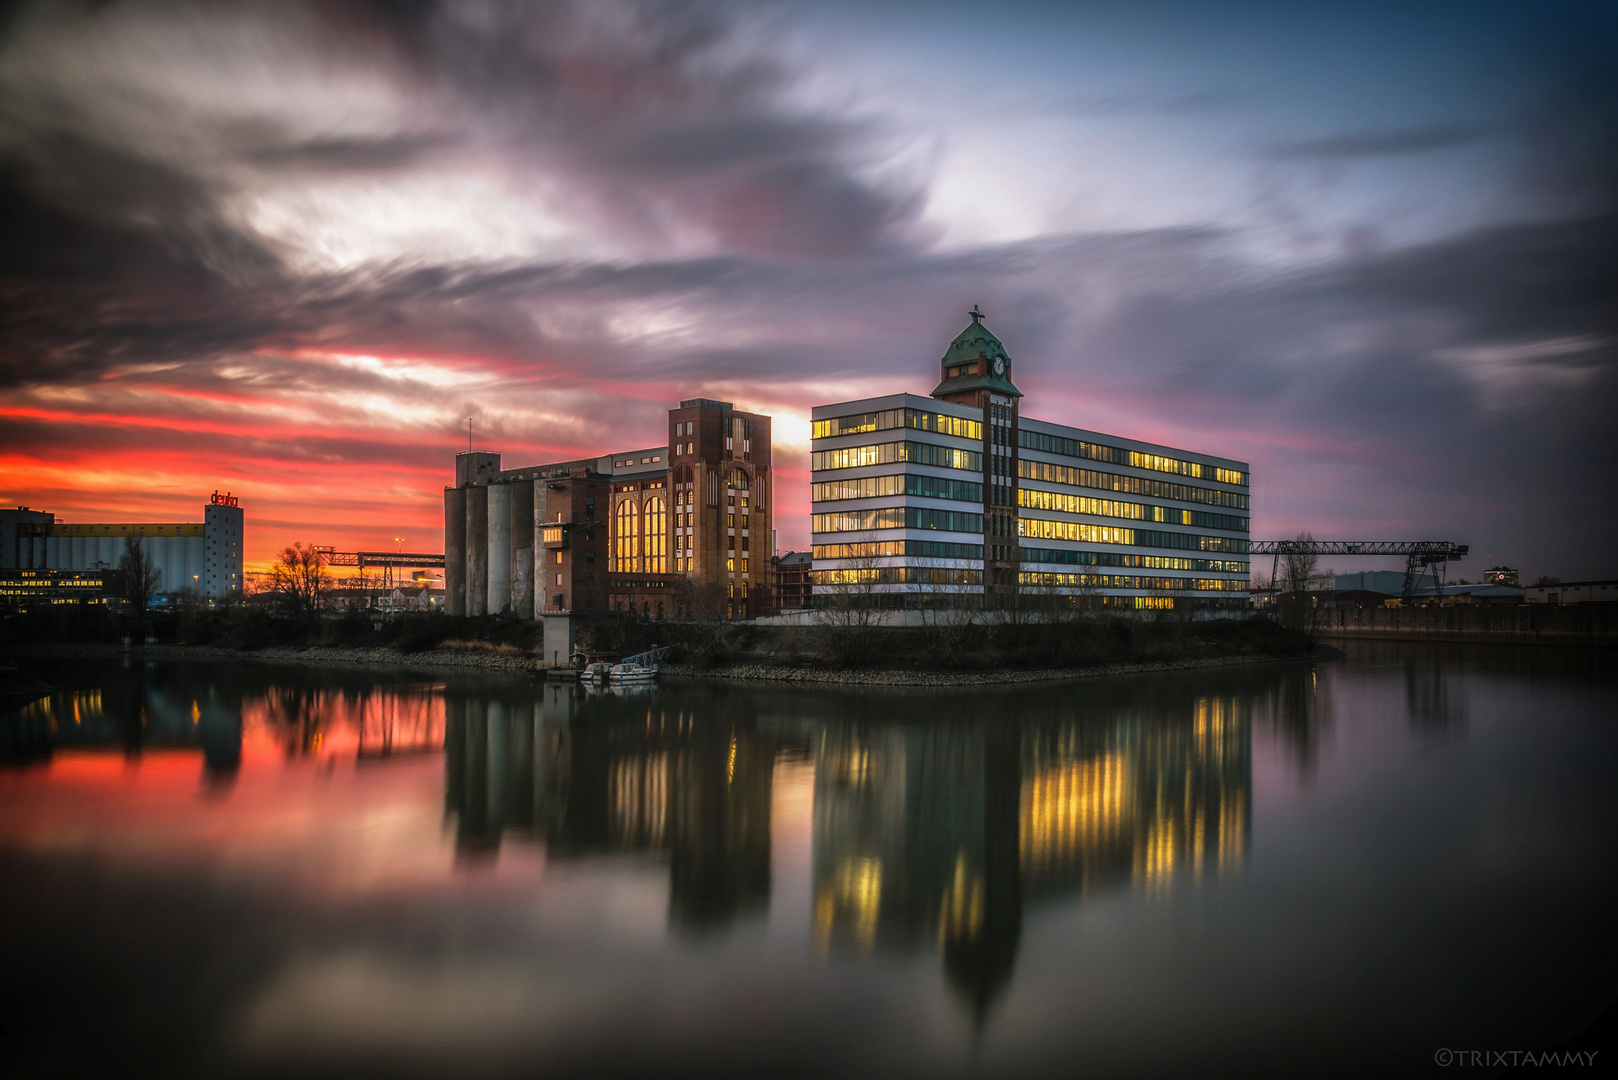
x=196, y=558
x=664, y=531
x=960, y=496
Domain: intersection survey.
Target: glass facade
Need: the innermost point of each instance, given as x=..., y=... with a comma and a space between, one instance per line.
x=852, y=457
x=1017, y=528
x=1072, y=476
x=874, y=487
x=1079, y=448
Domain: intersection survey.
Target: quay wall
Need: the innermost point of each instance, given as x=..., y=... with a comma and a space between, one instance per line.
x=1526, y=624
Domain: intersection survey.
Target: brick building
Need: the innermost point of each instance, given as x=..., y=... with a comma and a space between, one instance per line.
x=666, y=531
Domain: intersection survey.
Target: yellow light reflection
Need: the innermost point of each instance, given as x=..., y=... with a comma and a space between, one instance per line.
x=853, y=897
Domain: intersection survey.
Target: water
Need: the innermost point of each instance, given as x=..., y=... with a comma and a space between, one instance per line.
x=1334, y=868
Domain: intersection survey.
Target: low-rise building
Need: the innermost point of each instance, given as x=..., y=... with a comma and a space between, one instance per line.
x=793, y=588
x=1574, y=592
x=22, y=590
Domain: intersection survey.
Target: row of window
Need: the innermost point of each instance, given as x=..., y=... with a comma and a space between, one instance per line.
x=1045, y=529
x=1133, y=485
x=850, y=457
x=1084, y=504
x=897, y=517
x=1056, y=444
x=898, y=575
x=887, y=419
x=640, y=537
x=1138, y=562
x=1130, y=581
x=870, y=487
x=916, y=549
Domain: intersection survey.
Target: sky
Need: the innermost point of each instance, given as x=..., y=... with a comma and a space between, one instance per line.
x=304, y=252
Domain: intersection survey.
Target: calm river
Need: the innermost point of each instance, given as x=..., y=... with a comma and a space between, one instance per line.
x=1346, y=867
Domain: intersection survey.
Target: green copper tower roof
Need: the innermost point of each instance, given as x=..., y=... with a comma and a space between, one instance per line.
x=970, y=345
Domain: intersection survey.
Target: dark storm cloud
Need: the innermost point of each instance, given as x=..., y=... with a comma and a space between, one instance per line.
x=343, y=154
x=652, y=111
x=1381, y=143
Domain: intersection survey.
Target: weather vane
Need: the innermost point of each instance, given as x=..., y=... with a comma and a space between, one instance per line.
x=977, y=316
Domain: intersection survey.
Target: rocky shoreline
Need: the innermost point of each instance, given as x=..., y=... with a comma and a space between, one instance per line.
x=527, y=663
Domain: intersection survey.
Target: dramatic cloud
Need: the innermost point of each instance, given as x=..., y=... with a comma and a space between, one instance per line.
x=1363, y=144
x=305, y=252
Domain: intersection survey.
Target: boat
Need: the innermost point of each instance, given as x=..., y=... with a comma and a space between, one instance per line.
x=631, y=670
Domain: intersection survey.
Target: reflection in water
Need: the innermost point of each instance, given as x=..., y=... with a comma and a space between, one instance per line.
x=927, y=832
x=1436, y=703
x=938, y=833
x=597, y=774
x=288, y=839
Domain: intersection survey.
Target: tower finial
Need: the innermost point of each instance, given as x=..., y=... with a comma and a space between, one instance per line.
x=977, y=316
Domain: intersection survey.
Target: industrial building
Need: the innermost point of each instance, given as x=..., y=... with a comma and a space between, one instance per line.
x=1573, y=592
x=196, y=558
x=960, y=497
x=664, y=531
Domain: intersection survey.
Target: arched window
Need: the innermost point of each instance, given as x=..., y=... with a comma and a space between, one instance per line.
x=626, y=538
x=738, y=480
x=657, y=532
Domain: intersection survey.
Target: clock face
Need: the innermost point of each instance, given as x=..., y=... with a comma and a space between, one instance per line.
x=999, y=365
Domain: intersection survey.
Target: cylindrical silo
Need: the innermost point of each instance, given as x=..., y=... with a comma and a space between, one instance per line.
x=477, y=551
x=499, y=548
x=455, y=551
x=522, y=549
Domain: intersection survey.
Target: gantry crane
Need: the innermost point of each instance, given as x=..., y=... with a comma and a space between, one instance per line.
x=1419, y=554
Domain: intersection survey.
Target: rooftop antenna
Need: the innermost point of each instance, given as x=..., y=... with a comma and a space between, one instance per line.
x=468, y=434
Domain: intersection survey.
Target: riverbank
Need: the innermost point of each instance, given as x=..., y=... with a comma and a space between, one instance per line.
x=517, y=662
x=899, y=677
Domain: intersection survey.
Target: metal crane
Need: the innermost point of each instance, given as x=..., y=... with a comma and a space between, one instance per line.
x=1418, y=554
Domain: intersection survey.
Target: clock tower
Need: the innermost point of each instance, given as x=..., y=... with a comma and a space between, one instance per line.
x=976, y=371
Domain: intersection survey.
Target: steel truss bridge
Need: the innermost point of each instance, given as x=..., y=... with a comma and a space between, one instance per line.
x=1419, y=554
x=387, y=561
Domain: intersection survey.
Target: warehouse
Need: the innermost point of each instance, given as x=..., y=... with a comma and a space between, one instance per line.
x=193, y=558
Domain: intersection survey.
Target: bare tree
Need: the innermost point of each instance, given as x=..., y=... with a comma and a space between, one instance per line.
x=140, y=573
x=1299, y=571
x=850, y=591
x=299, y=580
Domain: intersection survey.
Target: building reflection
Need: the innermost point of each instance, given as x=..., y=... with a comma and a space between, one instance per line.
x=936, y=835
x=602, y=774
x=133, y=709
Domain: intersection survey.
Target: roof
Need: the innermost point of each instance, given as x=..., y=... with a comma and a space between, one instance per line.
x=797, y=558
x=972, y=344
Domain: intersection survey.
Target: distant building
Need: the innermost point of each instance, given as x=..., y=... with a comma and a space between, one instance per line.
x=663, y=531
x=1502, y=575
x=960, y=497
x=792, y=585
x=21, y=590
x=1475, y=593
x=1573, y=592
x=202, y=559
x=1385, y=582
